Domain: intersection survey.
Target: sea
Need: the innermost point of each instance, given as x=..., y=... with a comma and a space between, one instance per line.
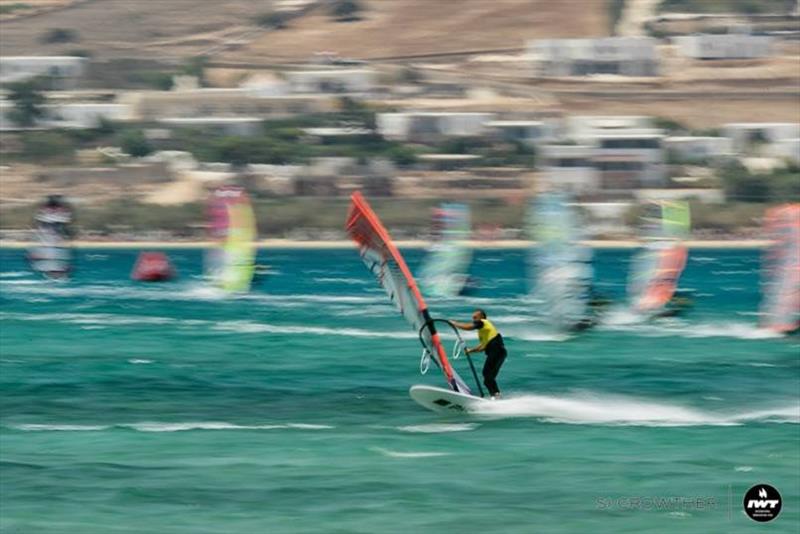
x=172, y=407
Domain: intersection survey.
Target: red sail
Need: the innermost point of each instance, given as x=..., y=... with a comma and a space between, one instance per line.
x=383, y=258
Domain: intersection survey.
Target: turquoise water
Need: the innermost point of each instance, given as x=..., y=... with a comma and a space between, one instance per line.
x=174, y=409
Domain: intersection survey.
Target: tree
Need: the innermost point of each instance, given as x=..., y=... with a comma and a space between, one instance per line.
x=275, y=20
x=28, y=100
x=346, y=10
x=47, y=147
x=739, y=184
x=134, y=142
x=59, y=35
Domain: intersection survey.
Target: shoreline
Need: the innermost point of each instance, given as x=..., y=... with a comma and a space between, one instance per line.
x=403, y=243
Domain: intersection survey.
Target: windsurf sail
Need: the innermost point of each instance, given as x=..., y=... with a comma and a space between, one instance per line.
x=657, y=268
x=445, y=270
x=51, y=256
x=560, y=264
x=384, y=260
x=780, y=304
x=230, y=263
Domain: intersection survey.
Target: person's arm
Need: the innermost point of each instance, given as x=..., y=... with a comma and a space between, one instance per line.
x=479, y=348
x=463, y=326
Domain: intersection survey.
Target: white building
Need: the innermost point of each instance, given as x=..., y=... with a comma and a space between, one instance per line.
x=610, y=154
x=628, y=151
x=239, y=126
x=431, y=126
x=63, y=70
x=745, y=135
x=787, y=149
x=626, y=56
x=568, y=167
x=723, y=46
x=691, y=148
x=529, y=132
x=73, y=115
x=337, y=81
x=216, y=102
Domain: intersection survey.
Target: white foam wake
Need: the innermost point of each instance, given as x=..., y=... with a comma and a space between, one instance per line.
x=106, y=320
x=168, y=427
x=436, y=428
x=628, y=322
x=409, y=454
x=618, y=410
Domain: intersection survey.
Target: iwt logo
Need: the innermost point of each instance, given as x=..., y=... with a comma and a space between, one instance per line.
x=762, y=503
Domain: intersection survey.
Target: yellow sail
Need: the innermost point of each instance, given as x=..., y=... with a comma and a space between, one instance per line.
x=239, y=247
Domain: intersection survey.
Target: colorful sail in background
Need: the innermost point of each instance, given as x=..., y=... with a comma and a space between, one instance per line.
x=560, y=264
x=51, y=256
x=384, y=260
x=230, y=263
x=444, y=272
x=780, y=304
x=657, y=268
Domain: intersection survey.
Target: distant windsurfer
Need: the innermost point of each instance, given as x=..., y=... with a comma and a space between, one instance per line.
x=54, y=218
x=491, y=343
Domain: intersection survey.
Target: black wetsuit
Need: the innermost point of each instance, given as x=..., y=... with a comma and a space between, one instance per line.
x=495, y=356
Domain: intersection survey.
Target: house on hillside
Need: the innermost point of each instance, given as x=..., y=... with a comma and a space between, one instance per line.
x=430, y=126
x=237, y=126
x=698, y=148
x=609, y=155
x=72, y=115
x=568, y=167
x=155, y=105
x=352, y=82
x=625, y=56
x=522, y=131
x=748, y=135
x=63, y=71
x=723, y=46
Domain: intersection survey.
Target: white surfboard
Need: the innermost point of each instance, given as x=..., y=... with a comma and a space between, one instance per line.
x=443, y=400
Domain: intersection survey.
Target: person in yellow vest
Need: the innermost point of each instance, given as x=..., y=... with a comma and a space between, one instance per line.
x=490, y=342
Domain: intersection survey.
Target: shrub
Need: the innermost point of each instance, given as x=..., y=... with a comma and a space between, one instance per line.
x=59, y=35
x=275, y=20
x=134, y=142
x=51, y=147
x=28, y=99
x=346, y=10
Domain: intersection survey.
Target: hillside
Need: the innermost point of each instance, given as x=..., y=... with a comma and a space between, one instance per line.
x=413, y=27
x=168, y=29
x=172, y=29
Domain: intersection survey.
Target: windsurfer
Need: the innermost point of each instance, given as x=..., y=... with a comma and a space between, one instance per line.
x=491, y=343
x=54, y=217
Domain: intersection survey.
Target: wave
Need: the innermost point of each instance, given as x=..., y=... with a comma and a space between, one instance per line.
x=104, y=320
x=409, y=454
x=60, y=428
x=436, y=428
x=250, y=327
x=673, y=327
x=191, y=291
x=540, y=336
x=167, y=427
x=624, y=411
x=14, y=274
x=336, y=280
